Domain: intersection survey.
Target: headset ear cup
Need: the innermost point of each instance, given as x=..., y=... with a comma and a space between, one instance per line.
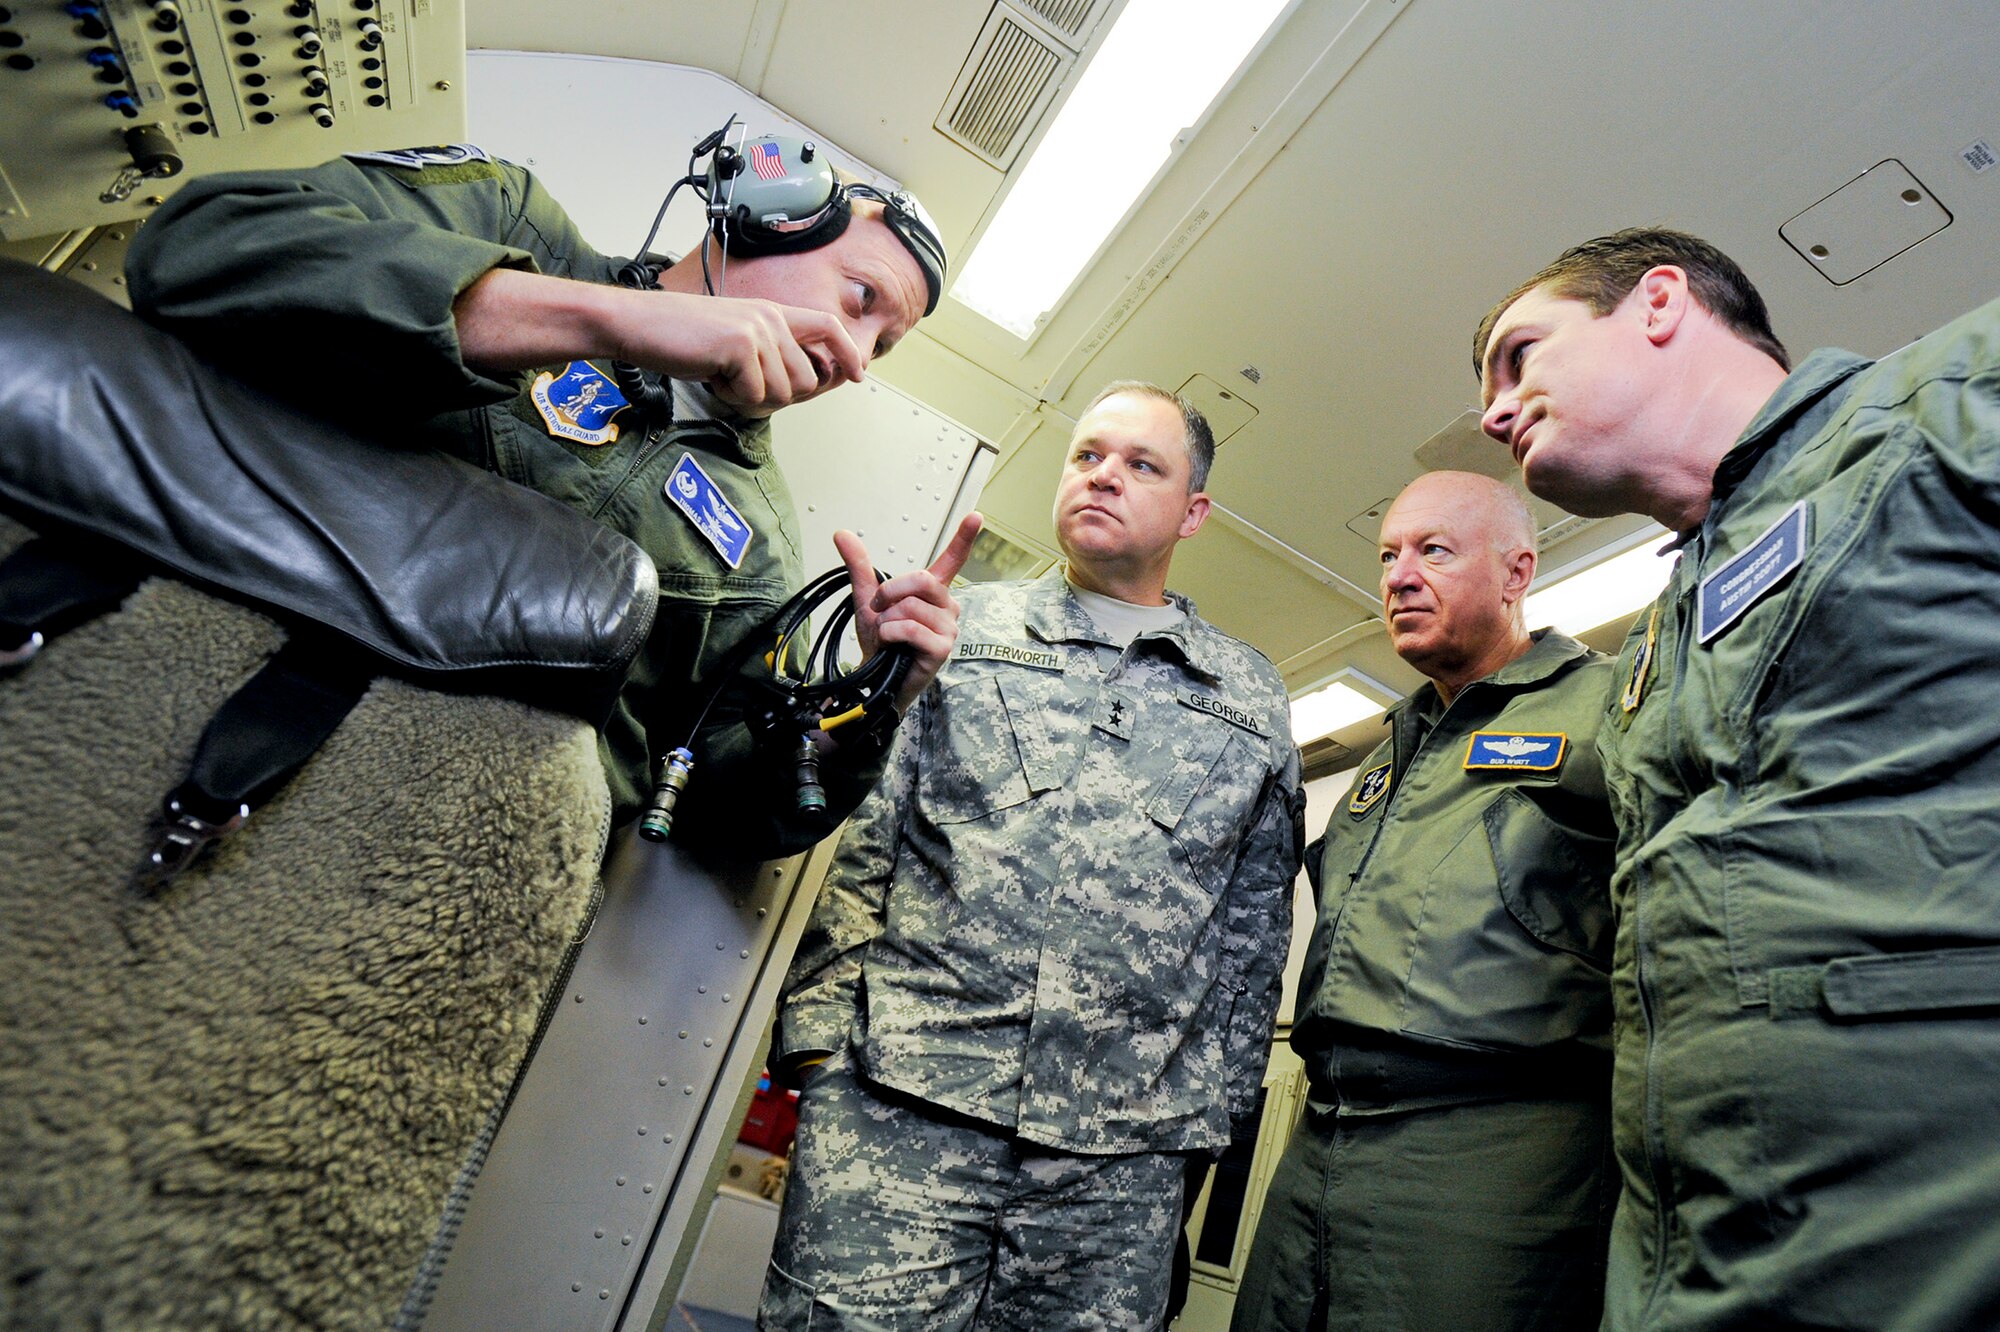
x=743, y=237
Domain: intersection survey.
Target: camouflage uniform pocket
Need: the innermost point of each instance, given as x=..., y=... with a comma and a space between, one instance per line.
x=971, y=763
x=786, y=1304
x=1206, y=801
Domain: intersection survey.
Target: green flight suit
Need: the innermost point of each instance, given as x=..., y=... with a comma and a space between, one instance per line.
x=1803, y=755
x=335, y=285
x=1452, y=1170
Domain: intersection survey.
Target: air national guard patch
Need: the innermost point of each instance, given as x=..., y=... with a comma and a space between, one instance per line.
x=1506, y=749
x=1740, y=584
x=1369, y=789
x=578, y=402
x=691, y=491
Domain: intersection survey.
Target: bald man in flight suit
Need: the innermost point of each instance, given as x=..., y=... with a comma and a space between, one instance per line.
x=1451, y=1172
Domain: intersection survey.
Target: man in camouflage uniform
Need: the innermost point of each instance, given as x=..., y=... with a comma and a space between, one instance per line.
x=1046, y=961
x=1452, y=1170
x=439, y=298
x=1803, y=758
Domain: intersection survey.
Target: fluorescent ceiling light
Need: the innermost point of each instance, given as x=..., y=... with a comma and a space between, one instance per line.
x=1580, y=602
x=1155, y=73
x=1332, y=707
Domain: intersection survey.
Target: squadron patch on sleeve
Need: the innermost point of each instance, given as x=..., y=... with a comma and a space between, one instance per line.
x=1726, y=594
x=1369, y=789
x=578, y=402
x=701, y=502
x=430, y=155
x=1509, y=749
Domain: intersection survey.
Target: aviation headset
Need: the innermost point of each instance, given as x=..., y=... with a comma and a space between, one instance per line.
x=779, y=195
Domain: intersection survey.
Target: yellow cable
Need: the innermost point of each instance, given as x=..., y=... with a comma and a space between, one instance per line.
x=828, y=723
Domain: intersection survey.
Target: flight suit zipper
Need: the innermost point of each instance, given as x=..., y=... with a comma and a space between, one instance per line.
x=1654, y=1135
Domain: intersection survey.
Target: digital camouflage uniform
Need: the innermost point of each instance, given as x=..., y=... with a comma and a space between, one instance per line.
x=335, y=285
x=1803, y=755
x=1057, y=925
x=1453, y=1168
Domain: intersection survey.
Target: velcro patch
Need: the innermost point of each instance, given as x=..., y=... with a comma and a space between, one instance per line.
x=1370, y=788
x=1727, y=593
x=430, y=155
x=1228, y=712
x=701, y=501
x=1040, y=659
x=1511, y=749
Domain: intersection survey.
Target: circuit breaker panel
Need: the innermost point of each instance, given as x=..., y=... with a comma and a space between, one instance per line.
x=107, y=105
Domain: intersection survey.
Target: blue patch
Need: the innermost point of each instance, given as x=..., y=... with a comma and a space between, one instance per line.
x=1509, y=749
x=1738, y=585
x=578, y=402
x=1369, y=789
x=691, y=491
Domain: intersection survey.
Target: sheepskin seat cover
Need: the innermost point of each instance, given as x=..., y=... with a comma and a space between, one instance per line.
x=255, y=1099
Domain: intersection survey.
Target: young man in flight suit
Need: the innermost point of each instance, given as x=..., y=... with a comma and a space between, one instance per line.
x=440, y=298
x=1043, y=969
x=1453, y=1170
x=1803, y=758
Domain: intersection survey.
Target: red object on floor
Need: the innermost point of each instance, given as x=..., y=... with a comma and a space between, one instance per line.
x=773, y=1119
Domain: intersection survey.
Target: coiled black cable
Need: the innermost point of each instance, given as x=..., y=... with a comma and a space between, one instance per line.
x=822, y=697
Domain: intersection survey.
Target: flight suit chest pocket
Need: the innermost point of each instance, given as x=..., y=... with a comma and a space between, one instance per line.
x=978, y=753
x=1206, y=799
x=1552, y=879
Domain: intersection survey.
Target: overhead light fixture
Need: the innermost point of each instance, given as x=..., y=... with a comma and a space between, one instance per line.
x=1154, y=75
x=1348, y=698
x=1575, y=603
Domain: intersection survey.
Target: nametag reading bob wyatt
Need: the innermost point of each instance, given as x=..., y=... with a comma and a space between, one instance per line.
x=701, y=502
x=578, y=402
x=1726, y=594
x=1369, y=789
x=1508, y=749
x=1039, y=658
x=1228, y=712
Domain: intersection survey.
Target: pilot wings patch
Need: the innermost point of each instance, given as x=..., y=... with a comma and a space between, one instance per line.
x=701, y=502
x=1509, y=749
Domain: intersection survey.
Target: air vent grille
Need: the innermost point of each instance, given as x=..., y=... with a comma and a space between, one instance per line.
x=1006, y=85
x=1068, y=18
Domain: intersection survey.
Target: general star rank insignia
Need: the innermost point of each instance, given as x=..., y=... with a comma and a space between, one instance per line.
x=1114, y=716
x=1369, y=789
x=578, y=402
